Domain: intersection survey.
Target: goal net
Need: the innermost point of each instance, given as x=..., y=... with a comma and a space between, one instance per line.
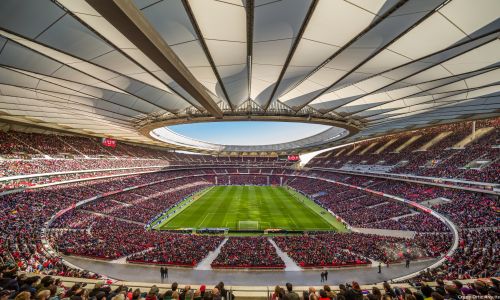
x=248, y=225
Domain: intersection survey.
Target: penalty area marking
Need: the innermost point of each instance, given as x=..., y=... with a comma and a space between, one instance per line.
x=203, y=221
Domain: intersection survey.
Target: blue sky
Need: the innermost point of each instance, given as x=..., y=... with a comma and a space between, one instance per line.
x=248, y=132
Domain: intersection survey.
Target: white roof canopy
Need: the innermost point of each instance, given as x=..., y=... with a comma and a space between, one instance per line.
x=379, y=65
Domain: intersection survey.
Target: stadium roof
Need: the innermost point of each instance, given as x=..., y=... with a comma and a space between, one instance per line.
x=123, y=68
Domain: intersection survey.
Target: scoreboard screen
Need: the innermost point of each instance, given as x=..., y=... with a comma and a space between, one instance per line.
x=293, y=157
x=106, y=142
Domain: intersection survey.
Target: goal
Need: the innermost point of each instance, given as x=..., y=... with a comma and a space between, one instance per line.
x=248, y=225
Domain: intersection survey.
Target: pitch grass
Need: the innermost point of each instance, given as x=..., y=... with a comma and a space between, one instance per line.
x=263, y=207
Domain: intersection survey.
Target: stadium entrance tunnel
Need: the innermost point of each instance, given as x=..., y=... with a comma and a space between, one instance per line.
x=250, y=137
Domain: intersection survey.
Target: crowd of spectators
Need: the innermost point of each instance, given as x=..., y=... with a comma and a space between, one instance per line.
x=465, y=208
x=41, y=166
x=248, y=179
x=134, y=205
x=100, y=240
x=16, y=144
x=376, y=213
x=21, y=144
x=248, y=252
x=31, y=154
x=440, y=290
x=356, y=207
x=477, y=256
x=43, y=180
x=23, y=287
x=438, y=160
x=168, y=199
x=23, y=217
x=338, y=249
x=131, y=206
x=178, y=249
x=322, y=250
x=418, y=222
x=119, y=210
x=87, y=234
x=74, y=220
x=25, y=213
x=469, y=210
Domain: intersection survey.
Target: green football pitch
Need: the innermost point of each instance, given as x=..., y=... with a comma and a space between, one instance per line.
x=252, y=208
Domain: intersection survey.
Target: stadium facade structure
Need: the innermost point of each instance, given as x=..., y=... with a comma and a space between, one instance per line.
x=128, y=69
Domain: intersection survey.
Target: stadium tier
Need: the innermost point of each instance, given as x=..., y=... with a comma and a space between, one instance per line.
x=86, y=217
x=450, y=151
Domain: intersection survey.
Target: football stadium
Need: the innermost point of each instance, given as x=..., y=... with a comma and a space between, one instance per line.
x=249, y=149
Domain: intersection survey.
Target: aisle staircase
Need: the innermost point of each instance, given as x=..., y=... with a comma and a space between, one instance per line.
x=290, y=265
x=407, y=143
x=435, y=140
x=473, y=136
x=367, y=148
x=384, y=146
x=206, y=263
x=354, y=149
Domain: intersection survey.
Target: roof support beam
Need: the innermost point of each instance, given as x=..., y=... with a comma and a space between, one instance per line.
x=443, y=112
x=375, y=53
x=127, y=19
x=343, y=48
x=437, y=98
x=204, y=46
x=307, y=18
x=426, y=68
x=46, y=79
x=250, y=18
x=22, y=41
x=458, y=77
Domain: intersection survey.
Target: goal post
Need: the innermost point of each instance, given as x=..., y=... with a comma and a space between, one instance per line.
x=248, y=225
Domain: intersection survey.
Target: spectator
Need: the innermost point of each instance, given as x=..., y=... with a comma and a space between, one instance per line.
x=290, y=294
x=354, y=292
